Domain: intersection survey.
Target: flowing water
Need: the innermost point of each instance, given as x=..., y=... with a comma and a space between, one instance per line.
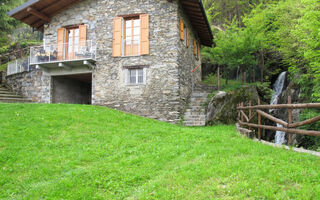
x=278, y=88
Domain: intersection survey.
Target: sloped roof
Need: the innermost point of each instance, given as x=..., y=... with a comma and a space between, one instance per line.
x=36, y=13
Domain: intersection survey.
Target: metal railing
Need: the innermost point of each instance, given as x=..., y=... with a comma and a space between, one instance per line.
x=18, y=66
x=49, y=53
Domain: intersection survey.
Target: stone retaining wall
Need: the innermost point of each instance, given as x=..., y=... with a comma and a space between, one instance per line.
x=33, y=85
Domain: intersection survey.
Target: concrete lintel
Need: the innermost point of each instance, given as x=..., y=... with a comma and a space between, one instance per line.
x=42, y=68
x=88, y=64
x=65, y=66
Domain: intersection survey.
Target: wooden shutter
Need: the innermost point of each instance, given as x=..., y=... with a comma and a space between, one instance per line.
x=195, y=47
x=117, y=30
x=60, y=43
x=188, y=43
x=82, y=36
x=144, y=42
x=181, y=30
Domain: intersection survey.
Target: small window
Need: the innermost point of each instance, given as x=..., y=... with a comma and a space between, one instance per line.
x=136, y=76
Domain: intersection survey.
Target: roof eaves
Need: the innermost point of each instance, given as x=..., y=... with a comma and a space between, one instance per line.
x=206, y=19
x=22, y=7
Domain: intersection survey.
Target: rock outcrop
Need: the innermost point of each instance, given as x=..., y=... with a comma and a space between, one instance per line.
x=222, y=108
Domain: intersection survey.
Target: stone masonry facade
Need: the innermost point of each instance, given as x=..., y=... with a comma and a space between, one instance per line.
x=167, y=69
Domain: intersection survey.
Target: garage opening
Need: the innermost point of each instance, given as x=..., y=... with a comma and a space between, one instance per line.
x=72, y=89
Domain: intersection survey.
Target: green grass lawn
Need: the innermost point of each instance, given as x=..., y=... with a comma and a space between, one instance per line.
x=87, y=152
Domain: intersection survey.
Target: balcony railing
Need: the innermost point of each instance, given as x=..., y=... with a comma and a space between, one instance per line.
x=50, y=53
x=18, y=66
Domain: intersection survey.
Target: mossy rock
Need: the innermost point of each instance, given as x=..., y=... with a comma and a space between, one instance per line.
x=222, y=108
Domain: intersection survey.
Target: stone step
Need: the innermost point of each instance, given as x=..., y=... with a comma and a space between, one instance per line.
x=4, y=89
x=14, y=100
x=195, y=109
x=195, y=119
x=194, y=123
x=204, y=95
x=205, y=87
x=10, y=95
x=6, y=92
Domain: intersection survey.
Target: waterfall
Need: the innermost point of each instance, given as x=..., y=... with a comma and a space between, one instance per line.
x=278, y=88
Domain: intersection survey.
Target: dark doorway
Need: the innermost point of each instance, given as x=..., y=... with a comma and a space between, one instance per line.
x=72, y=89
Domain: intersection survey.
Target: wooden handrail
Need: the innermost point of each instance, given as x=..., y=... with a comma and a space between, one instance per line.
x=309, y=121
x=279, y=106
x=287, y=130
x=196, y=68
x=272, y=118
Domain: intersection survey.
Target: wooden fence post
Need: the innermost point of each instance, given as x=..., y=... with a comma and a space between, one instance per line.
x=290, y=119
x=242, y=117
x=250, y=111
x=245, y=77
x=259, y=122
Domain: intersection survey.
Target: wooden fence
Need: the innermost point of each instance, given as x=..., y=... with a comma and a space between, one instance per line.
x=246, y=116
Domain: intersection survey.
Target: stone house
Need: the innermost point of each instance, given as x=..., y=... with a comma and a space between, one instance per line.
x=139, y=56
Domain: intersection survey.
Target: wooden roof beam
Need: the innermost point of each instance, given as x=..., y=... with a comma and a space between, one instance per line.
x=38, y=14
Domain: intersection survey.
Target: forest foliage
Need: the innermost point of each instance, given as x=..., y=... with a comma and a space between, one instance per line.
x=13, y=34
x=267, y=37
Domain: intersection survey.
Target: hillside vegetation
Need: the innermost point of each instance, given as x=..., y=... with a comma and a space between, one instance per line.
x=88, y=152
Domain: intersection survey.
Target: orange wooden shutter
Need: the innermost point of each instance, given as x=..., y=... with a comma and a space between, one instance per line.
x=181, y=30
x=60, y=43
x=82, y=36
x=195, y=47
x=144, y=47
x=188, y=43
x=117, y=29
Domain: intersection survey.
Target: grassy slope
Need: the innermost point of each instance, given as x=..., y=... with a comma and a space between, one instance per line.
x=73, y=152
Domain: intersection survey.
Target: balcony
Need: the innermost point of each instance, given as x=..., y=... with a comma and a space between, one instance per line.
x=66, y=55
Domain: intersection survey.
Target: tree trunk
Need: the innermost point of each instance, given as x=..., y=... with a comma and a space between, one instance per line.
x=253, y=76
x=218, y=78
x=262, y=65
x=241, y=76
x=245, y=77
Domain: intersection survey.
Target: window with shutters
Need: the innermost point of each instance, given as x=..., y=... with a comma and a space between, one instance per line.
x=132, y=37
x=184, y=33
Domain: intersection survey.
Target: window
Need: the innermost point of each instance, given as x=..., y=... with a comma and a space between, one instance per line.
x=70, y=40
x=132, y=37
x=72, y=46
x=185, y=35
x=136, y=76
x=196, y=48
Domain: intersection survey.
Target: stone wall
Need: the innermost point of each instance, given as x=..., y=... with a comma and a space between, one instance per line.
x=33, y=85
x=187, y=62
